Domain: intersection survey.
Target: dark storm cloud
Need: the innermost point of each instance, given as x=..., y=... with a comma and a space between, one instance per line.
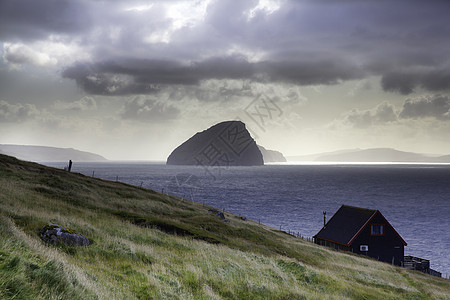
x=309, y=72
x=436, y=106
x=99, y=79
x=133, y=76
x=399, y=82
x=142, y=76
x=31, y=19
x=406, y=81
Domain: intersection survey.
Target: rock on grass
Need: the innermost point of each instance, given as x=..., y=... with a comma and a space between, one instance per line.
x=55, y=234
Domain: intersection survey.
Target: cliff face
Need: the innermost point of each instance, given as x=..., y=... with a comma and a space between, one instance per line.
x=224, y=144
x=271, y=156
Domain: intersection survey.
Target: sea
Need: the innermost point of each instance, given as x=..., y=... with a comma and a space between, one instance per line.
x=414, y=198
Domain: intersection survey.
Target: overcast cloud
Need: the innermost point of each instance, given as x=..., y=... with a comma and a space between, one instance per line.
x=382, y=114
x=155, y=61
x=16, y=112
x=128, y=49
x=436, y=106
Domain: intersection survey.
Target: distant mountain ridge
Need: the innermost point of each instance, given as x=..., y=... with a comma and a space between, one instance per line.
x=313, y=157
x=372, y=155
x=49, y=154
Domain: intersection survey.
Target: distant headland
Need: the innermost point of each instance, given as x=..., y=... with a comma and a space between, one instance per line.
x=49, y=154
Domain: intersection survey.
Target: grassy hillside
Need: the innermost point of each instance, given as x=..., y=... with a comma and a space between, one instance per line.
x=147, y=245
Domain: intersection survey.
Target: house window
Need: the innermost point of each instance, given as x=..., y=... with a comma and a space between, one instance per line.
x=376, y=229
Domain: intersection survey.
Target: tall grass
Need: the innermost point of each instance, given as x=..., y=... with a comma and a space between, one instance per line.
x=152, y=246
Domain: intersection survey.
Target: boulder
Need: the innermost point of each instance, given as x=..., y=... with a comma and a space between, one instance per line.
x=218, y=213
x=225, y=144
x=55, y=234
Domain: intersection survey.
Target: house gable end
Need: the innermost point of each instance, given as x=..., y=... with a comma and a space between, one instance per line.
x=386, y=222
x=345, y=224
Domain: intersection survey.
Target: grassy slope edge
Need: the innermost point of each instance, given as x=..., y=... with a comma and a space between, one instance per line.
x=148, y=245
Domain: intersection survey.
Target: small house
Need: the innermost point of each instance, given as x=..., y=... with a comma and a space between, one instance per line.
x=362, y=231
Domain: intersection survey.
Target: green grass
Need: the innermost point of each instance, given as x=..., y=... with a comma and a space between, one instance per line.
x=146, y=245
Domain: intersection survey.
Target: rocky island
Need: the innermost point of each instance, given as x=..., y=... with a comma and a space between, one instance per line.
x=224, y=144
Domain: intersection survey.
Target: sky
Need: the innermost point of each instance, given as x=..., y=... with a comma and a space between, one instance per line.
x=131, y=80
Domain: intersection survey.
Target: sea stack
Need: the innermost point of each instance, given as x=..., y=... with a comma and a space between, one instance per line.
x=225, y=144
x=271, y=156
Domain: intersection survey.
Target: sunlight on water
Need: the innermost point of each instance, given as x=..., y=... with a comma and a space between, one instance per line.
x=332, y=163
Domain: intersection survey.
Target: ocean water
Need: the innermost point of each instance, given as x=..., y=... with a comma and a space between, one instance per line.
x=414, y=198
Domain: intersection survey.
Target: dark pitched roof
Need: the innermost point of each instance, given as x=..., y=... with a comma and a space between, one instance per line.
x=346, y=224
